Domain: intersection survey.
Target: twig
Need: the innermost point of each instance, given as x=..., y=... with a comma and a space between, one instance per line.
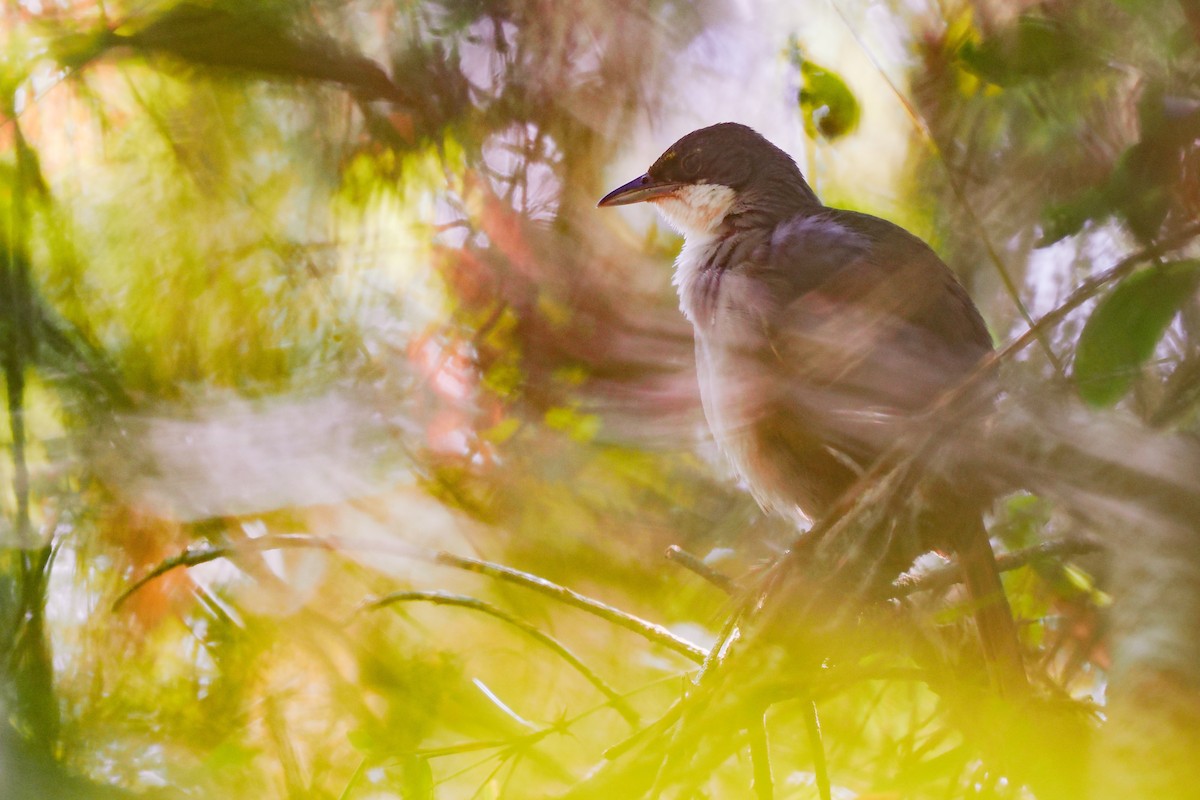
x=950, y=574
x=202, y=555
x=648, y=630
x=731, y=631
x=1091, y=286
x=760, y=758
x=812, y=723
x=354, y=776
x=462, y=601
x=658, y=727
x=689, y=562
x=524, y=741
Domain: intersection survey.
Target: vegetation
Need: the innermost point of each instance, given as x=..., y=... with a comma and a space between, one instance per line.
x=343, y=436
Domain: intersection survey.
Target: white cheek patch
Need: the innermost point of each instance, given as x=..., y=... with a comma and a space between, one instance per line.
x=696, y=210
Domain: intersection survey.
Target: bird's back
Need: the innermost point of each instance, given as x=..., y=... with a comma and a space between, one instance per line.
x=817, y=339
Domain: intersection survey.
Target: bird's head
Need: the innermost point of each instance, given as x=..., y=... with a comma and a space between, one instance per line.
x=716, y=173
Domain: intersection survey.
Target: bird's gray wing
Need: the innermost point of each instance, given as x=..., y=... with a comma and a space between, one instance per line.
x=867, y=326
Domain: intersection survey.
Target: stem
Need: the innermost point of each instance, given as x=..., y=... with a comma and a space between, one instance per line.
x=649, y=630
x=760, y=758
x=812, y=722
x=461, y=601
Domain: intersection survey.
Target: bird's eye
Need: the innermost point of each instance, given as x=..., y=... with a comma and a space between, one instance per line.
x=690, y=165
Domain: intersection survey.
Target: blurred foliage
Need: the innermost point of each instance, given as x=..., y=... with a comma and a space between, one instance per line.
x=827, y=105
x=295, y=295
x=1124, y=330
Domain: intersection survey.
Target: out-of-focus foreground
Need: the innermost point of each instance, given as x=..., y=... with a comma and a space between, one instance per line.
x=308, y=324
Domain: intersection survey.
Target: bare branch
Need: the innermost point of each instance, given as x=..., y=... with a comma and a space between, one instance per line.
x=202, y=555
x=462, y=601
x=689, y=562
x=760, y=758
x=1089, y=288
x=648, y=630
x=812, y=723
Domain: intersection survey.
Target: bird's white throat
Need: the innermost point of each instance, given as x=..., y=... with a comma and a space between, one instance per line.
x=696, y=210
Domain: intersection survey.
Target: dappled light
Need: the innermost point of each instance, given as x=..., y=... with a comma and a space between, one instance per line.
x=350, y=451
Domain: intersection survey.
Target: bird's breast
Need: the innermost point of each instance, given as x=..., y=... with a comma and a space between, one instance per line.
x=698, y=279
x=712, y=279
x=740, y=380
x=750, y=395
x=773, y=449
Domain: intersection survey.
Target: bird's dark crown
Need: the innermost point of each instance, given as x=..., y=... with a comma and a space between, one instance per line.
x=728, y=153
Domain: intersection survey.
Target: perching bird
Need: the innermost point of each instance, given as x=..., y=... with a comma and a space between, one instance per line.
x=819, y=333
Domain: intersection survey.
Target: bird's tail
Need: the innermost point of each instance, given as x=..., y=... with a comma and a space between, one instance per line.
x=993, y=617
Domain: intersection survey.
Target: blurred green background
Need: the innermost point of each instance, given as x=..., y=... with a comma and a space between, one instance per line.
x=296, y=294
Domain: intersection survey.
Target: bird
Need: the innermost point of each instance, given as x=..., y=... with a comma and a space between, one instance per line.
x=819, y=334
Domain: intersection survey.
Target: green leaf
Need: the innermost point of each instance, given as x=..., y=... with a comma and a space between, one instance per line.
x=1034, y=47
x=252, y=38
x=1125, y=328
x=74, y=50
x=829, y=107
x=362, y=740
x=1060, y=220
x=418, y=779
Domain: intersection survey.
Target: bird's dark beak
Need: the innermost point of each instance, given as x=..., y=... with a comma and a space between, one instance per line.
x=636, y=191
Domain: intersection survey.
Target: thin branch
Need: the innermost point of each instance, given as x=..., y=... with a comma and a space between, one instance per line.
x=950, y=574
x=760, y=758
x=503, y=757
x=354, y=776
x=525, y=741
x=462, y=601
x=1089, y=288
x=648, y=630
x=689, y=562
x=474, y=747
x=731, y=631
x=656, y=728
x=491, y=776
x=202, y=555
x=812, y=724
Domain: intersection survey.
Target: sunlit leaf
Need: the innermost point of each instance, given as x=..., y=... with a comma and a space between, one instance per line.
x=503, y=430
x=362, y=740
x=829, y=108
x=418, y=779
x=1123, y=331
